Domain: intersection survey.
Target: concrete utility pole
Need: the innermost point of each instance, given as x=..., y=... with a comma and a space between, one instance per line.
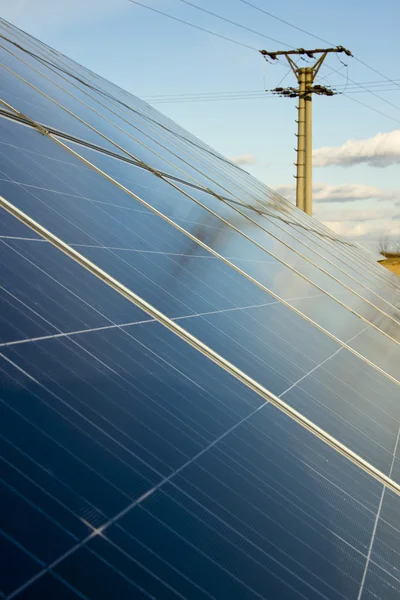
x=305, y=78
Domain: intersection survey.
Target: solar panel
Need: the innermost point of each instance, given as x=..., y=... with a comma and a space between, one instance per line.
x=201, y=387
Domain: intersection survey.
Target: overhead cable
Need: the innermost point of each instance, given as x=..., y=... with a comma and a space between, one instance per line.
x=269, y=14
x=234, y=23
x=224, y=37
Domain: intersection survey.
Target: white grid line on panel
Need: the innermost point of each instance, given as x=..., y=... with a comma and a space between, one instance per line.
x=185, y=220
x=155, y=211
x=136, y=112
x=205, y=189
x=126, y=382
x=131, y=209
x=367, y=562
x=207, y=209
x=178, y=227
x=102, y=328
x=204, y=349
x=100, y=530
x=93, y=528
x=131, y=323
x=117, y=525
x=107, y=327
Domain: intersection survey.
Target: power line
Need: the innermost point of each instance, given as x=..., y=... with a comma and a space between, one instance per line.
x=287, y=23
x=375, y=84
x=258, y=33
x=382, y=86
x=372, y=108
x=259, y=96
x=376, y=71
x=318, y=38
x=224, y=37
x=284, y=77
x=233, y=23
x=255, y=49
x=223, y=99
x=369, y=91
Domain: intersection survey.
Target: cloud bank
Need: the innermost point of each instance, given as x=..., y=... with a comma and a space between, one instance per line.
x=243, y=159
x=382, y=150
x=347, y=192
x=334, y=206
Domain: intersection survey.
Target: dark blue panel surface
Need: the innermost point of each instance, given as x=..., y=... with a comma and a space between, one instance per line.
x=97, y=578
x=50, y=587
x=379, y=586
x=285, y=518
x=213, y=173
x=269, y=520
x=45, y=293
x=386, y=543
x=168, y=270
x=102, y=94
x=11, y=228
x=18, y=565
x=24, y=98
x=372, y=426
x=95, y=421
x=131, y=466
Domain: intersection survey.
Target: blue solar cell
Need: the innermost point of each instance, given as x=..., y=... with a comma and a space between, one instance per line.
x=48, y=587
x=230, y=507
x=18, y=565
x=139, y=112
x=10, y=228
x=386, y=545
x=132, y=466
x=379, y=585
x=62, y=296
x=172, y=272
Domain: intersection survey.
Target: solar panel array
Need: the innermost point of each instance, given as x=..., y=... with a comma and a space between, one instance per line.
x=200, y=384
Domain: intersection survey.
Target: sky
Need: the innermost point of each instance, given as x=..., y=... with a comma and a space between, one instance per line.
x=356, y=179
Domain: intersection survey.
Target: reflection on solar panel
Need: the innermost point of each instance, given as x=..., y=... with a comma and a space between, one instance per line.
x=200, y=384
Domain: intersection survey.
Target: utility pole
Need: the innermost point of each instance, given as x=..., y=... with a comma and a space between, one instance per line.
x=305, y=78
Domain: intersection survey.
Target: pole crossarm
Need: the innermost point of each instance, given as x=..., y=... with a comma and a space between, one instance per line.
x=306, y=88
x=302, y=51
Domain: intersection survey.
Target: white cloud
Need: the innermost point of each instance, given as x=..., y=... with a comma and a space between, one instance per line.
x=243, y=159
x=347, y=192
x=335, y=208
x=375, y=228
x=382, y=150
x=336, y=213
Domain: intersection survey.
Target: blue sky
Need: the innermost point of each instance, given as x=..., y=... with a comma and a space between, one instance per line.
x=149, y=55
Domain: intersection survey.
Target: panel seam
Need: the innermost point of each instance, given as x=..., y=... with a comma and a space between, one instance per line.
x=204, y=349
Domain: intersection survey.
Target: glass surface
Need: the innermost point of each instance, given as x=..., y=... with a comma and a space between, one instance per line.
x=386, y=548
x=380, y=585
x=50, y=586
x=61, y=296
x=118, y=98
x=334, y=316
x=228, y=508
x=211, y=300
x=196, y=155
x=112, y=425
